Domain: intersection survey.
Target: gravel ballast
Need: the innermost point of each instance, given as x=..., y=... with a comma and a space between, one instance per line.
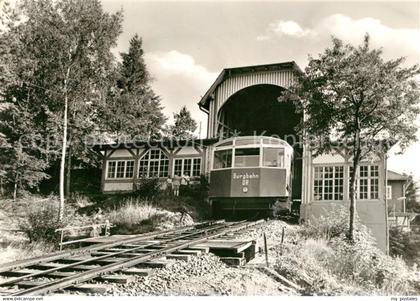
x=207, y=275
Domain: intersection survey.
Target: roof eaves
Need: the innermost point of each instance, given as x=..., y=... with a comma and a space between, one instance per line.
x=204, y=101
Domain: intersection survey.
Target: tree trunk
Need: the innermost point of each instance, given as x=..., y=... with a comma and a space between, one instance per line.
x=68, y=170
x=64, y=146
x=15, y=188
x=1, y=187
x=352, y=192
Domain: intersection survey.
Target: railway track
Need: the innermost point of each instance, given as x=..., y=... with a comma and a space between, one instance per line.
x=65, y=269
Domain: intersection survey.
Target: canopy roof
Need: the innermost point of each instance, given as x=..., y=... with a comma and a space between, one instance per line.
x=169, y=143
x=228, y=72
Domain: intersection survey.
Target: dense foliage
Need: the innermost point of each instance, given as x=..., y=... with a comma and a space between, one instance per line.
x=132, y=110
x=411, y=194
x=325, y=262
x=184, y=125
x=359, y=102
x=40, y=221
x=61, y=88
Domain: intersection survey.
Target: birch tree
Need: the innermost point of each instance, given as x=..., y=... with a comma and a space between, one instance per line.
x=64, y=47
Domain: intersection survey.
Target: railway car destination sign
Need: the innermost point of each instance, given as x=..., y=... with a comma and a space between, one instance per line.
x=245, y=178
x=246, y=175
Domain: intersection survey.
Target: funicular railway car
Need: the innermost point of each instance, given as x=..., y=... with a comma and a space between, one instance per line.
x=251, y=175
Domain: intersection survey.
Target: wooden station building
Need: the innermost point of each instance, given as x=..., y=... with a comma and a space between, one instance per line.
x=247, y=101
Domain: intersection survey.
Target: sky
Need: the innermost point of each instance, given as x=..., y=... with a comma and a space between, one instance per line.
x=187, y=44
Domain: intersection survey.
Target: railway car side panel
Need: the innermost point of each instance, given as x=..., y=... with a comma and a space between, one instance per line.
x=273, y=183
x=220, y=183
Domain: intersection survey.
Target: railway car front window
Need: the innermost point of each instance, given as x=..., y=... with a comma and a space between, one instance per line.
x=222, y=159
x=273, y=157
x=247, y=157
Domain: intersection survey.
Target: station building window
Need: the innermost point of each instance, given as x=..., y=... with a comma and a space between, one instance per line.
x=367, y=182
x=120, y=169
x=388, y=192
x=187, y=166
x=328, y=183
x=154, y=164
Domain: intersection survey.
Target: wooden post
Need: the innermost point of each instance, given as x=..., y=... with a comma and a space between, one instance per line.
x=282, y=235
x=61, y=239
x=266, y=250
x=1, y=187
x=107, y=228
x=68, y=170
x=281, y=242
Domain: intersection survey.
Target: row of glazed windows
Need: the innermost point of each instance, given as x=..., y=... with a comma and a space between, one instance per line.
x=250, y=157
x=329, y=182
x=153, y=164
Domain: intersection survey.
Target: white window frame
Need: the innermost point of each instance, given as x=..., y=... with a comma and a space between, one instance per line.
x=369, y=179
x=116, y=169
x=162, y=157
x=183, y=165
x=334, y=177
x=388, y=192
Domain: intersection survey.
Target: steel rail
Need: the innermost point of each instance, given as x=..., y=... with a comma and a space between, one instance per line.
x=80, y=251
x=62, y=254
x=87, y=275
x=93, y=259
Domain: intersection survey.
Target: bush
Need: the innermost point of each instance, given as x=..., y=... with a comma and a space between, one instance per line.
x=80, y=201
x=327, y=263
x=332, y=224
x=404, y=244
x=41, y=220
x=196, y=196
x=148, y=188
x=199, y=191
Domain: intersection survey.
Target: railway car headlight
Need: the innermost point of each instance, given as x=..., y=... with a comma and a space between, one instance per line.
x=245, y=189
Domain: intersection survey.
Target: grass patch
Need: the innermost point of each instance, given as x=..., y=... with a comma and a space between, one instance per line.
x=132, y=214
x=139, y=216
x=23, y=250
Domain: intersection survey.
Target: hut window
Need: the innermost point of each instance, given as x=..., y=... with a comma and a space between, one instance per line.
x=129, y=171
x=178, y=167
x=111, y=169
x=367, y=182
x=328, y=183
x=154, y=164
x=187, y=166
x=388, y=192
x=121, y=169
x=196, y=167
x=164, y=168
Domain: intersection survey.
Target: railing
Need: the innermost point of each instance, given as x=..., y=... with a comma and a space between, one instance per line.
x=107, y=225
